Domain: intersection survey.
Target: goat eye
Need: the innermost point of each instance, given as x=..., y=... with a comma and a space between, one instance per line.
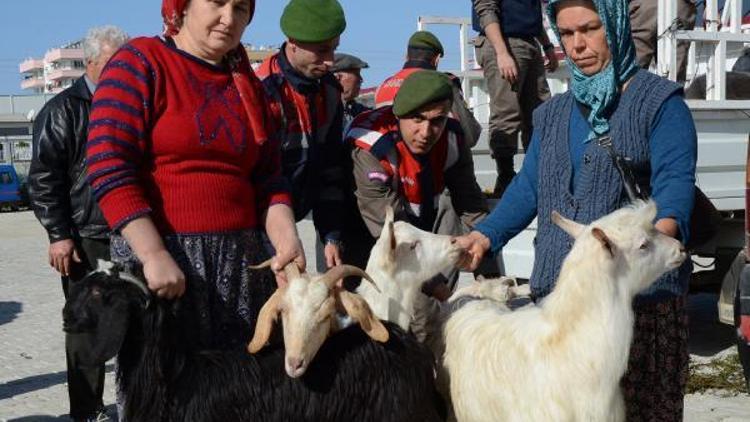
x=644, y=245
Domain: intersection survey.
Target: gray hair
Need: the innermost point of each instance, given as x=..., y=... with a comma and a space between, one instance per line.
x=102, y=35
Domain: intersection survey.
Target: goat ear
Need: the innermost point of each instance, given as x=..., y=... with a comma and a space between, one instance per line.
x=604, y=240
x=569, y=226
x=268, y=314
x=360, y=311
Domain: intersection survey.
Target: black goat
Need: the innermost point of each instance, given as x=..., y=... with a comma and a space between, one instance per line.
x=164, y=377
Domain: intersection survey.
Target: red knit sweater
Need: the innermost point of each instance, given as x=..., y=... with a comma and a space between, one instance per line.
x=169, y=136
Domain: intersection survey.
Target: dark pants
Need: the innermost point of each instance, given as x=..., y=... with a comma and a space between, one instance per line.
x=643, y=24
x=511, y=105
x=85, y=384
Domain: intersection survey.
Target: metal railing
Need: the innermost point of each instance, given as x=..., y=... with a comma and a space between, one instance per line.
x=719, y=31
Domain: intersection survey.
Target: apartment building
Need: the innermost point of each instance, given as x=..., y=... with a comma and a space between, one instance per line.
x=57, y=70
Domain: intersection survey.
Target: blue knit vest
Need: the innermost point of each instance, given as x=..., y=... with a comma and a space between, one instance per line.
x=599, y=190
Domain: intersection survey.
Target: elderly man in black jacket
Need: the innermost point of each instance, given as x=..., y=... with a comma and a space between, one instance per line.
x=63, y=202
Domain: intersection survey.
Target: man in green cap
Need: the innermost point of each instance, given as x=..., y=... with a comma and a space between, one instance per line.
x=348, y=71
x=306, y=102
x=406, y=155
x=424, y=51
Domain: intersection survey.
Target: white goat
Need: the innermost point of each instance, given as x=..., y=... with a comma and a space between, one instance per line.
x=308, y=307
x=403, y=258
x=563, y=359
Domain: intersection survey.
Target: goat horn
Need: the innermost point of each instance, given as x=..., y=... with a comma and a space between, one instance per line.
x=340, y=271
x=291, y=269
x=262, y=265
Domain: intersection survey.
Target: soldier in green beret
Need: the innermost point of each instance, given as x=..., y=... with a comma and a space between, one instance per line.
x=424, y=51
x=406, y=155
x=306, y=102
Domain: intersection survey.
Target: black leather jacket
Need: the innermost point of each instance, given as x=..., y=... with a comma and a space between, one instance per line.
x=59, y=193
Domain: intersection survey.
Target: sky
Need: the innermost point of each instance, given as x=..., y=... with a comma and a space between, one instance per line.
x=377, y=30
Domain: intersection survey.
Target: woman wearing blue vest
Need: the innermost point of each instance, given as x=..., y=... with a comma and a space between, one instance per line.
x=566, y=170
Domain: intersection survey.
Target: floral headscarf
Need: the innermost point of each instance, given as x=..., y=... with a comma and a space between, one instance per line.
x=248, y=85
x=600, y=92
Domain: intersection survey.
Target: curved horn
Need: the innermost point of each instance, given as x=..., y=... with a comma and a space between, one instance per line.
x=262, y=265
x=291, y=270
x=340, y=271
x=263, y=326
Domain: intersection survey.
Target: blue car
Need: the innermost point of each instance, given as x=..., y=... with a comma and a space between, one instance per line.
x=10, y=188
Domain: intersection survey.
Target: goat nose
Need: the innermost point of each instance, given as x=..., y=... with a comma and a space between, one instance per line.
x=295, y=363
x=453, y=240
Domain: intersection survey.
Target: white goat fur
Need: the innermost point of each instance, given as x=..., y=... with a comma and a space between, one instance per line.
x=402, y=259
x=563, y=359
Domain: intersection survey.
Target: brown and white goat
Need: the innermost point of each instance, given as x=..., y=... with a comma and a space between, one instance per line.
x=309, y=307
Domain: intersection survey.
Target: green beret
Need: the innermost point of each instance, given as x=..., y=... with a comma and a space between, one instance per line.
x=419, y=89
x=342, y=61
x=313, y=21
x=426, y=40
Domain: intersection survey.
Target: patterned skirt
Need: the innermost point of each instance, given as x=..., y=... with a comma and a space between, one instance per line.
x=223, y=296
x=654, y=384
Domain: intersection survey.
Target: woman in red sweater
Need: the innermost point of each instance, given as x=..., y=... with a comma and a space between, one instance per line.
x=184, y=164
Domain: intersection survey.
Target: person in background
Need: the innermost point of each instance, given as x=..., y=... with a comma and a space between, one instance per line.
x=185, y=166
x=348, y=71
x=423, y=51
x=62, y=202
x=306, y=103
x=406, y=155
x=507, y=49
x=644, y=23
x=566, y=170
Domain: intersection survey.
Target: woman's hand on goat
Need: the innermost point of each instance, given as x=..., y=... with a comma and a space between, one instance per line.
x=286, y=252
x=162, y=274
x=164, y=277
x=282, y=232
x=475, y=245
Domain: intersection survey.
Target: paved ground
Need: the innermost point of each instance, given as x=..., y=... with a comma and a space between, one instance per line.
x=32, y=357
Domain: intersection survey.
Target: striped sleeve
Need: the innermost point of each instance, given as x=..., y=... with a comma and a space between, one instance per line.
x=116, y=141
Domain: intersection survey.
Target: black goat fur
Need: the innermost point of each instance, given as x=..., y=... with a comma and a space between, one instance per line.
x=164, y=377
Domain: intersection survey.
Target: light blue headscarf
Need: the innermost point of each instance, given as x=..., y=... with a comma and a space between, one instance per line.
x=600, y=91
